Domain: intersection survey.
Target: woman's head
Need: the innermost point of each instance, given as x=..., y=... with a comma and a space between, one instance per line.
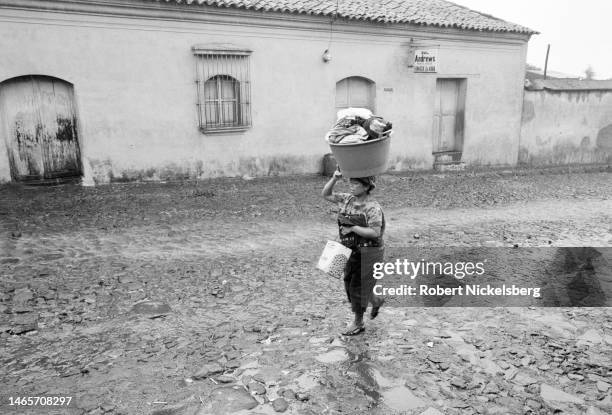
x=361, y=185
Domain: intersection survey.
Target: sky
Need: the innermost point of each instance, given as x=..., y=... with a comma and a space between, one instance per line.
x=579, y=31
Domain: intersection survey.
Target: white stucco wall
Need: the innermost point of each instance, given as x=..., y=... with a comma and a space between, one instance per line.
x=566, y=127
x=134, y=85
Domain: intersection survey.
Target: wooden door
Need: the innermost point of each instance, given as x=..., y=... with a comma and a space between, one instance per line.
x=448, y=115
x=38, y=121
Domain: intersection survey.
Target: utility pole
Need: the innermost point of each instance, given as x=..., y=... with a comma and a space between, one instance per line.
x=546, y=61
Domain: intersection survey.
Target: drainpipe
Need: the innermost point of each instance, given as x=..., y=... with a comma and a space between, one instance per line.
x=546, y=61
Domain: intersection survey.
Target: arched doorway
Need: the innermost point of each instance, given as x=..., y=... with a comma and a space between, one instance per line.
x=356, y=92
x=38, y=122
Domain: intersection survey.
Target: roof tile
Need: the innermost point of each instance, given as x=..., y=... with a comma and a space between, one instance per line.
x=568, y=84
x=420, y=12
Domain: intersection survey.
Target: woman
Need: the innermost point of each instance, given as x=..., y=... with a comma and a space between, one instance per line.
x=362, y=225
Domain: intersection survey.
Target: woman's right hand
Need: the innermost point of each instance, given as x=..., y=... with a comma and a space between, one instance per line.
x=327, y=192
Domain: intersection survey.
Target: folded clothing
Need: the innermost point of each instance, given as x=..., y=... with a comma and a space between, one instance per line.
x=352, y=139
x=354, y=133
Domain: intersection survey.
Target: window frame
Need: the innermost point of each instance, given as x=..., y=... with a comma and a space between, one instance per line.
x=219, y=101
x=206, y=57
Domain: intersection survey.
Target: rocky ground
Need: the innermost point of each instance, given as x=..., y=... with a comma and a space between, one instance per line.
x=202, y=297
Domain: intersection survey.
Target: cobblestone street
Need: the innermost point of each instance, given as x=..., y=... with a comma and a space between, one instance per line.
x=203, y=297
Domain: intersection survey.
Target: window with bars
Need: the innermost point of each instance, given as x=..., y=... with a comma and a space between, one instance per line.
x=224, y=89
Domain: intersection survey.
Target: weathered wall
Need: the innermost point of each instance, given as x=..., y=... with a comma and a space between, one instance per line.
x=134, y=85
x=566, y=127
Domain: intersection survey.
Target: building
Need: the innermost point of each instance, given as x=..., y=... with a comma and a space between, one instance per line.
x=534, y=74
x=166, y=89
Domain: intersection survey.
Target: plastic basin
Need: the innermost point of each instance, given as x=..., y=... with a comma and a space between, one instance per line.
x=362, y=159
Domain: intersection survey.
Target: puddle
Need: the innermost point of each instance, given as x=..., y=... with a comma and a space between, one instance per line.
x=306, y=382
x=151, y=309
x=254, y=364
x=249, y=372
x=389, y=392
x=333, y=356
x=382, y=381
x=318, y=340
x=400, y=398
x=260, y=410
x=558, y=323
x=366, y=382
x=467, y=352
x=454, y=336
x=231, y=399
x=337, y=343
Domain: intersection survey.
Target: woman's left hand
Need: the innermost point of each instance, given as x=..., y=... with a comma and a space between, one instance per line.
x=344, y=230
x=365, y=232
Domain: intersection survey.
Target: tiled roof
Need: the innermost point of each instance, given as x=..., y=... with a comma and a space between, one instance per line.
x=438, y=13
x=571, y=85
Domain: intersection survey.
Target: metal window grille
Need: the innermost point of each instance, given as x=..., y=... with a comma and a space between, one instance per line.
x=224, y=89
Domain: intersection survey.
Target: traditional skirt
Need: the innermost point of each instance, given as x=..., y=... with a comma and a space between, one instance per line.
x=358, y=277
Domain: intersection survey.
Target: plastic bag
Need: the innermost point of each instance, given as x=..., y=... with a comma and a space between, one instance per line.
x=334, y=259
x=362, y=113
x=376, y=127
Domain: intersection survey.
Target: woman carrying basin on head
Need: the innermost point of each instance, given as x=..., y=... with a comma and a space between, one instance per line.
x=361, y=224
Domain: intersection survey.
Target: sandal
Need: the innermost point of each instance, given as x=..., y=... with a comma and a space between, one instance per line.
x=354, y=330
x=376, y=309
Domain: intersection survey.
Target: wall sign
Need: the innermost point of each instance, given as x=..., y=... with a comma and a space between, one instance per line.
x=426, y=60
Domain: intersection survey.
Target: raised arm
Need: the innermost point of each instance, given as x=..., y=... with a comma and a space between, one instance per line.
x=327, y=192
